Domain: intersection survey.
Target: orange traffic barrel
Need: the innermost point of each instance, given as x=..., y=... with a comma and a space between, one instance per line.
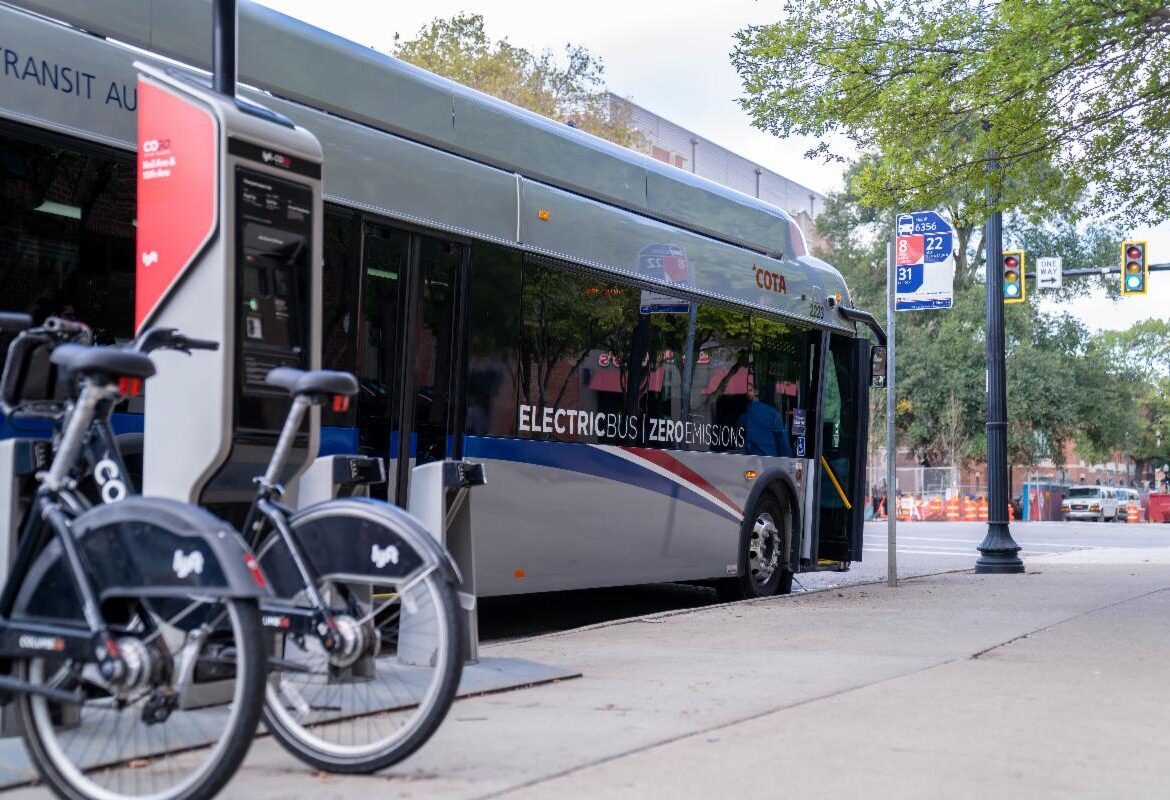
x=970, y=510
x=936, y=508
x=983, y=509
x=1133, y=513
x=953, y=514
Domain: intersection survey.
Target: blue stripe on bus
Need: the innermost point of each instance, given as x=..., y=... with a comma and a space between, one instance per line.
x=41, y=429
x=394, y=446
x=24, y=428
x=339, y=441
x=127, y=423
x=588, y=460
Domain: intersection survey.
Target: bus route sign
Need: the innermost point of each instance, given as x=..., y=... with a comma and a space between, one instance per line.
x=925, y=262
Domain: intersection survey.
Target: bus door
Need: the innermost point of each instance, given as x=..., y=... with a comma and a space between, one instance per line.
x=843, y=444
x=412, y=304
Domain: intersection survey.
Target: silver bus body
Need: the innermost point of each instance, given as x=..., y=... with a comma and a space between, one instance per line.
x=408, y=146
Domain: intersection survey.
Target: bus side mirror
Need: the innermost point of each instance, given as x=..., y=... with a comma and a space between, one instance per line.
x=877, y=367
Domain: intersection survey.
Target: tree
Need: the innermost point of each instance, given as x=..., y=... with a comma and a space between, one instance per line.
x=459, y=48
x=1057, y=383
x=1065, y=96
x=1134, y=417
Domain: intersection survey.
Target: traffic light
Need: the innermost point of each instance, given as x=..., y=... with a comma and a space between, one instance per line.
x=1014, y=288
x=1135, y=270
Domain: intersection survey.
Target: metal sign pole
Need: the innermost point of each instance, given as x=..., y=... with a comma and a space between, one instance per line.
x=891, y=451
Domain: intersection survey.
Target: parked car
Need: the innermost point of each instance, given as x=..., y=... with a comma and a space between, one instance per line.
x=1090, y=502
x=1125, y=497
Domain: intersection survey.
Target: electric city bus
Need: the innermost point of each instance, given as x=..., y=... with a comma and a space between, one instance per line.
x=663, y=384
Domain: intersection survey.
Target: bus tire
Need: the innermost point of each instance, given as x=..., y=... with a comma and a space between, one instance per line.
x=763, y=572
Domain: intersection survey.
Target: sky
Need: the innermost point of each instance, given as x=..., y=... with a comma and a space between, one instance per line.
x=673, y=59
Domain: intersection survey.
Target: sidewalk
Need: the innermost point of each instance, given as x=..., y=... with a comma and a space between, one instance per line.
x=1051, y=684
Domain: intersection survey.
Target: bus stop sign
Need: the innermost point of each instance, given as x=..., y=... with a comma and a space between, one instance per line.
x=925, y=262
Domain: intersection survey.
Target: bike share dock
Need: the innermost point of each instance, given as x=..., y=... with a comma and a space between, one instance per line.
x=441, y=497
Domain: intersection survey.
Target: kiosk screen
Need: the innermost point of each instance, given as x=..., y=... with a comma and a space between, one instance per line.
x=274, y=225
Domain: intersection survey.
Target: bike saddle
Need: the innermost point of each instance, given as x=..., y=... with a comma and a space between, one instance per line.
x=109, y=361
x=319, y=382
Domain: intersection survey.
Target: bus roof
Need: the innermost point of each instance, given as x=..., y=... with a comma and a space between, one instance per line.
x=312, y=66
x=292, y=60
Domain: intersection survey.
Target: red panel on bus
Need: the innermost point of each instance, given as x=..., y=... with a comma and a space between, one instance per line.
x=177, y=192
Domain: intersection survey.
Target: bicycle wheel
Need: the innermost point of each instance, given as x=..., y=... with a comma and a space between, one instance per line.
x=160, y=740
x=179, y=596
x=367, y=708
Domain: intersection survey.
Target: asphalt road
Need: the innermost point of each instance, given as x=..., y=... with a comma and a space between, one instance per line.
x=922, y=548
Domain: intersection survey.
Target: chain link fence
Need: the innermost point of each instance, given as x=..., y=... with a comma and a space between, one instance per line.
x=916, y=481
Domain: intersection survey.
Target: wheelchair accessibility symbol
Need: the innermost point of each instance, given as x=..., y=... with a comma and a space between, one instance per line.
x=800, y=449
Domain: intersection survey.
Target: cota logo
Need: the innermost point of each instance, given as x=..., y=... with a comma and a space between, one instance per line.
x=770, y=281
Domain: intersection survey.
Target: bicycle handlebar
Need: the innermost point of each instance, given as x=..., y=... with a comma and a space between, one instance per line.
x=200, y=344
x=170, y=339
x=14, y=322
x=68, y=327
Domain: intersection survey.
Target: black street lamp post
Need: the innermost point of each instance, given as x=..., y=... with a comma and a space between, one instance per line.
x=998, y=552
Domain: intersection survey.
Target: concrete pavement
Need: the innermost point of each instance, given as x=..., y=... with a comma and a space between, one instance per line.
x=1049, y=684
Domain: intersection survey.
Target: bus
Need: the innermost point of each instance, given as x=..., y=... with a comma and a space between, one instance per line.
x=663, y=383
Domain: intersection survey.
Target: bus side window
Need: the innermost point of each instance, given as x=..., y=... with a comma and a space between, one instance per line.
x=776, y=361
x=493, y=341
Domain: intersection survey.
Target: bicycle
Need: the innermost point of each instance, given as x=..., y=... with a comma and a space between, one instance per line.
x=340, y=630
x=367, y=645
x=120, y=621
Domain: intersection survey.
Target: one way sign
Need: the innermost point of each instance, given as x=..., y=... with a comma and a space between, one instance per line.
x=1049, y=272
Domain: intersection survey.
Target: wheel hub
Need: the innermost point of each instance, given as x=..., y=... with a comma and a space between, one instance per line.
x=351, y=642
x=764, y=548
x=138, y=664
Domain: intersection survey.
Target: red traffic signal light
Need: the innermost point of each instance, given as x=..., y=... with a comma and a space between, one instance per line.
x=1135, y=268
x=1012, y=271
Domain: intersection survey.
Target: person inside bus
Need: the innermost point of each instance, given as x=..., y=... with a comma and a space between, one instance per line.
x=764, y=431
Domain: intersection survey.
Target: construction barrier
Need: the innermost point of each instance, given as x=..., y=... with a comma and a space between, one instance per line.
x=934, y=509
x=909, y=508
x=970, y=510
x=953, y=513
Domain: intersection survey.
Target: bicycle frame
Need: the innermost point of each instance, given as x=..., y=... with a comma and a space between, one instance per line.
x=140, y=570
x=287, y=617
x=48, y=517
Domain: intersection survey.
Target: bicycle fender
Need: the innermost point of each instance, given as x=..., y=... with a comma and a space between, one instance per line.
x=356, y=539
x=144, y=546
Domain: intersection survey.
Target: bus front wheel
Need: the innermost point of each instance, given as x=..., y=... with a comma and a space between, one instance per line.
x=766, y=573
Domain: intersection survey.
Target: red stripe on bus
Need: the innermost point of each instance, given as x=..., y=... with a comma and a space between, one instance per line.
x=673, y=465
